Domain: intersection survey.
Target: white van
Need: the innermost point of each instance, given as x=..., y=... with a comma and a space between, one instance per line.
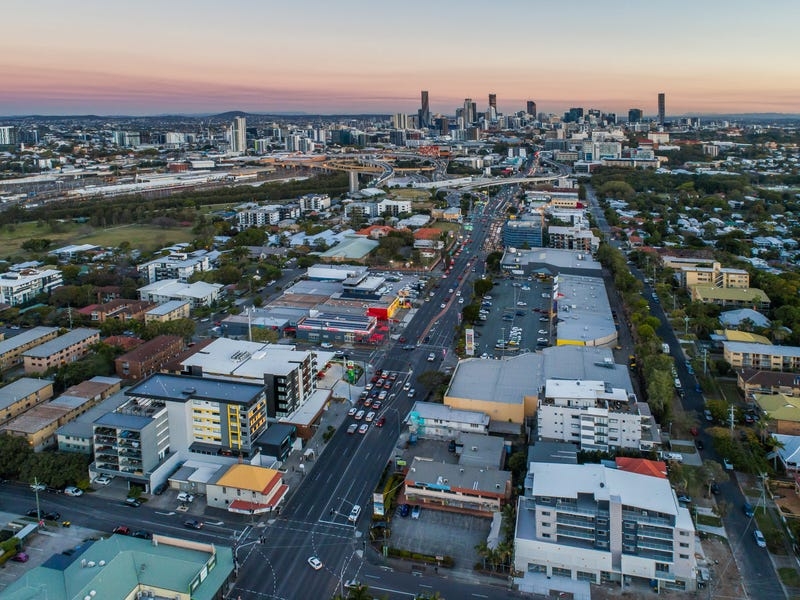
x=354, y=513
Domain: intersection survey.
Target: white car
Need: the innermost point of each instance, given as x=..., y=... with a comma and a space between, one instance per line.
x=461, y=301
x=73, y=491
x=326, y=345
x=760, y=541
x=185, y=497
x=315, y=563
x=431, y=357
x=411, y=393
x=407, y=385
x=102, y=480
x=38, y=487
x=370, y=416
x=443, y=305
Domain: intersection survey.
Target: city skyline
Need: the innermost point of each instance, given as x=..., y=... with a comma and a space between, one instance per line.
x=358, y=57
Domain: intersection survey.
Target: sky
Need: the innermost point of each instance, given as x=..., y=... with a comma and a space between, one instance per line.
x=374, y=56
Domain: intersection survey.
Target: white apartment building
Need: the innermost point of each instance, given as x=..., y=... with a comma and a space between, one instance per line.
x=599, y=524
x=197, y=294
x=394, y=207
x=253, y=215
x=315, y=202
x=594, y=415
x=23, y=286
x=178, y=265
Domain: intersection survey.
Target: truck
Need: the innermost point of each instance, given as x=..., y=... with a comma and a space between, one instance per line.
x=665, y=348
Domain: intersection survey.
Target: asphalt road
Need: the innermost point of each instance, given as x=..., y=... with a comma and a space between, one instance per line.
x=314, y=522
x=755, y=566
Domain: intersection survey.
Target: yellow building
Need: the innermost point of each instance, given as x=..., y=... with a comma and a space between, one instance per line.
x=168, y=311
x=247, y=489
x=60, y=351
x=12, y=349
x=22, y=394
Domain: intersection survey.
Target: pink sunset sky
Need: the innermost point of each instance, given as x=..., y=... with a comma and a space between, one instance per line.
x=354, y=56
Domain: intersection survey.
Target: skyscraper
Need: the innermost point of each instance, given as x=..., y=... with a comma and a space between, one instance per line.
x=239, y=135
x=531, y=108
x=662, y=105
x=469, y=112
x=425, y=111
x=634, y=115
x=493, y=102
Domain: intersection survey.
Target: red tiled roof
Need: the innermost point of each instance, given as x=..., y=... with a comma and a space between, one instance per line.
x=643, y=466
x=245, y=507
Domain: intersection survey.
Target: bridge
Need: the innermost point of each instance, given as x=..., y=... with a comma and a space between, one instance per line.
x=483, y=183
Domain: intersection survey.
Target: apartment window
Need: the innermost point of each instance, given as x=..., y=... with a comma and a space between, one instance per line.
x=684, y=545
x=545, y=513
x=546, y=535
x=684, y=556
x=546, y=524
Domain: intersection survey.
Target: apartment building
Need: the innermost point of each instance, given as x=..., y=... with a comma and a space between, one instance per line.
x=715, y=274
x=457, y=488
x=594, y=415
x=766, y=357
x=120, y=310
x=753, y=298
x=22, y=394
x=438, y=421
x=599, y=524
x=572, y=238
x=168, y=311
x=12, y=349
x=314, y=202
x=149, y=357
x=197, y=294
x=394, y=207
x=253, y=215
x=20, y=287
x=288, y=376
x=60, y=351
x=178, y=265
x=208, y=416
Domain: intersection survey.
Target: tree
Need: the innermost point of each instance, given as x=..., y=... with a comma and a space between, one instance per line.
x=713, y=472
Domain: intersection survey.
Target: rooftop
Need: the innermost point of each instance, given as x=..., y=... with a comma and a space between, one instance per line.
x=22, y=387
x=25, y=337
x=247, y=360
x=181, y=388
x=450, y=477
x=62, y=342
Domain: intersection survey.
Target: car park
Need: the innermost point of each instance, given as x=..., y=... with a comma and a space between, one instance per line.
x=71, y=490
x=193, y=524
x=352, y=411
x=315, y=563
x=359, y=415
x=370, y=416
x=185, y=497
x=376, y=405
x=382, y=395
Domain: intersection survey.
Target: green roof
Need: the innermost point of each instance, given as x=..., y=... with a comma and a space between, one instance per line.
x=122, y=565
x=779, y=406
x=738, y=294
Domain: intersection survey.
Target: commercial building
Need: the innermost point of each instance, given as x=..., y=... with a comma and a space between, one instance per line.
x=148, y=358
x=178, y=265
x=457, y=488
x=599, y=524
x=20, y=287
x=596, y=416
x=247, y=490
x=766, y=357
x=572, y=238
x=695, y=273
x=335, y=327
x=168, y=311
x=239, y=135
x=22, y=394
x=432, y=420
x=197, y=294
x=353, y=247
x=521, y=233
x=60, y=351
x=12, y=349
x=287, y=376
x=122, y=566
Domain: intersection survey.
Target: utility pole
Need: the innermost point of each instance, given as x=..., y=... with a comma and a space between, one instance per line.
x=731, y=418
x=686, y=325
x=764, y=492
x=705, y=364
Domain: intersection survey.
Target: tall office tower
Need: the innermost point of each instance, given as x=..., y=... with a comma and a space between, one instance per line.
x=400, y=121
x=239, y=135
x=469, y=115
x=634, y=115
x=662, y=105
x=493, y=106
x=425, y=111
x=532, y=108
x=8, y=135
x=443, y=125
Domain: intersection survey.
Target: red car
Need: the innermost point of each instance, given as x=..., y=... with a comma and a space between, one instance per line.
x=380, y=422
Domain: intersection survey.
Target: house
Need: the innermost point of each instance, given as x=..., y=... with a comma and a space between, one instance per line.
x=247, y=490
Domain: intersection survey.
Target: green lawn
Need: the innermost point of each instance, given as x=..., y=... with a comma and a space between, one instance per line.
x=710, y=520
x=144, y=237
x=772, y=533
x=789, y=576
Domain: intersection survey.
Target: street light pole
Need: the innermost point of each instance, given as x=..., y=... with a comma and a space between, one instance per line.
x=686, y=325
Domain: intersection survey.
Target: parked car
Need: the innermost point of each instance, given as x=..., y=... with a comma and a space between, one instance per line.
x=122, y=530
x=53, y=515
x=707, y=414
x=415, y=512
x=142, y=534
x=185, y=497
x=352, y=411
x=748, y=509
x=352, y=428
x=326, y=345
x=431, y=357
x=102, y=480
x=761, y=542
x=20, y=557
x=380, y=422
x=71, y=490
x=727, y=464
x=405, y=510
x=363, y=428
x=411, y=393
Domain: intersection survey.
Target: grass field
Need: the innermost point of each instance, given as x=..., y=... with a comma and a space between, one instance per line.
x=414, y=195
x=144, y=237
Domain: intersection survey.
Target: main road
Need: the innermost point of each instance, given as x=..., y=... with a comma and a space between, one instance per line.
x=315, y=520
